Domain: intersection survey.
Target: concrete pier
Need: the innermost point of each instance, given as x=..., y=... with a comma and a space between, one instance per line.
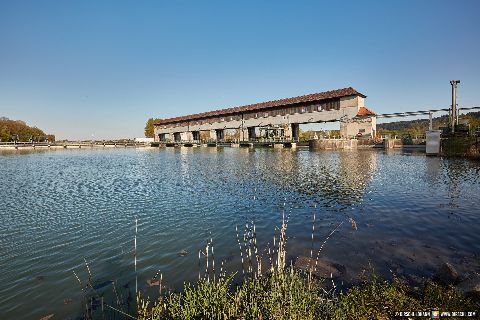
x=232, y=144
x=332, y=144
x=246, y=144
x=433, y=139
x=392, y=143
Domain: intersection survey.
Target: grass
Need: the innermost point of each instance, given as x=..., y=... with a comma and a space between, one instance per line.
x=290, y=295
x=377, y=299
x=277, y=296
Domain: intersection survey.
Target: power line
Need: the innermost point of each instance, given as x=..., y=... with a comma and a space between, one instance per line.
x=420, y=112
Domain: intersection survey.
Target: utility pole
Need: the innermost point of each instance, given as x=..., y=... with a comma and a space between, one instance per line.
x=454, y=116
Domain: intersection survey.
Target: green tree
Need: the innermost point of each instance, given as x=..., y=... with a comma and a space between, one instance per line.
x=473, y=121
x=13, y=128
x=149, y=127
x=4, y=134
x=306, y=135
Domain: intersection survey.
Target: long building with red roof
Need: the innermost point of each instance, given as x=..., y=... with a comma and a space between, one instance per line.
x=280, y=118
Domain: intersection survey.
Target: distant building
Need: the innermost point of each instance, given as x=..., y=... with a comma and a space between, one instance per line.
x=278, y=117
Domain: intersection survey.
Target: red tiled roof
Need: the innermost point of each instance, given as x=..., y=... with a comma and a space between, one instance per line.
x=269, y=104
x=363, y=112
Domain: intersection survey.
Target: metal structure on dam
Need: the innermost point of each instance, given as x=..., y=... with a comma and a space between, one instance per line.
x=277, y=119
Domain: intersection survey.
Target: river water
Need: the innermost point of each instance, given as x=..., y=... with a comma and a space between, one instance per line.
x=58, y=207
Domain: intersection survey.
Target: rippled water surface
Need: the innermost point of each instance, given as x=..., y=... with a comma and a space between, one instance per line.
x=59, y=207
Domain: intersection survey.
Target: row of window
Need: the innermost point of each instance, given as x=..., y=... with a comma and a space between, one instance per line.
x=332, y=105
x=326, y=106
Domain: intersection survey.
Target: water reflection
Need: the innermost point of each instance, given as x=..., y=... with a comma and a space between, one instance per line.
x=433, y=171
x=337, y=179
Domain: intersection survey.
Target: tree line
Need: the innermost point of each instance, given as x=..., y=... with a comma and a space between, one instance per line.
x=18, y=130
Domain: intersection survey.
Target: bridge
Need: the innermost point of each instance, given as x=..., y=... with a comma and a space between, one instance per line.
x=276, y=120
x=18, y=145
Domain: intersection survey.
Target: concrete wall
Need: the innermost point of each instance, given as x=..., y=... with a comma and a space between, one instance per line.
x=213, y=135
x=186, y=136
x=352, y=101
x=366, y=126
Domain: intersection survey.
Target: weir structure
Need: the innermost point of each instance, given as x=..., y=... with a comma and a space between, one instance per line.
x=276, y=120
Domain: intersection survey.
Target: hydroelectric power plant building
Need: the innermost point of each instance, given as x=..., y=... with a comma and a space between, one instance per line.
x=277, y=119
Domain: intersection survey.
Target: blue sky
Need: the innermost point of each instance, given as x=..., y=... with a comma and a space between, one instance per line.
x=77, y=68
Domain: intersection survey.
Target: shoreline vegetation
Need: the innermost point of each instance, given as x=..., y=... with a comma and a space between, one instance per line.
x=290, y=295
x=18, y=130
x=272, y=289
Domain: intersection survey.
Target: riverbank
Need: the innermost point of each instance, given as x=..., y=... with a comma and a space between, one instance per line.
x=289, y=295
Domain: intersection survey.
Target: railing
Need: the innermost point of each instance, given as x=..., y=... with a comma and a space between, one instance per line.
x=416, y=137
x=8, y=143
x=72, y=143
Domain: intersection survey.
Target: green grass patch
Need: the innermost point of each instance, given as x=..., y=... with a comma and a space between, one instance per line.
x=290, y=295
